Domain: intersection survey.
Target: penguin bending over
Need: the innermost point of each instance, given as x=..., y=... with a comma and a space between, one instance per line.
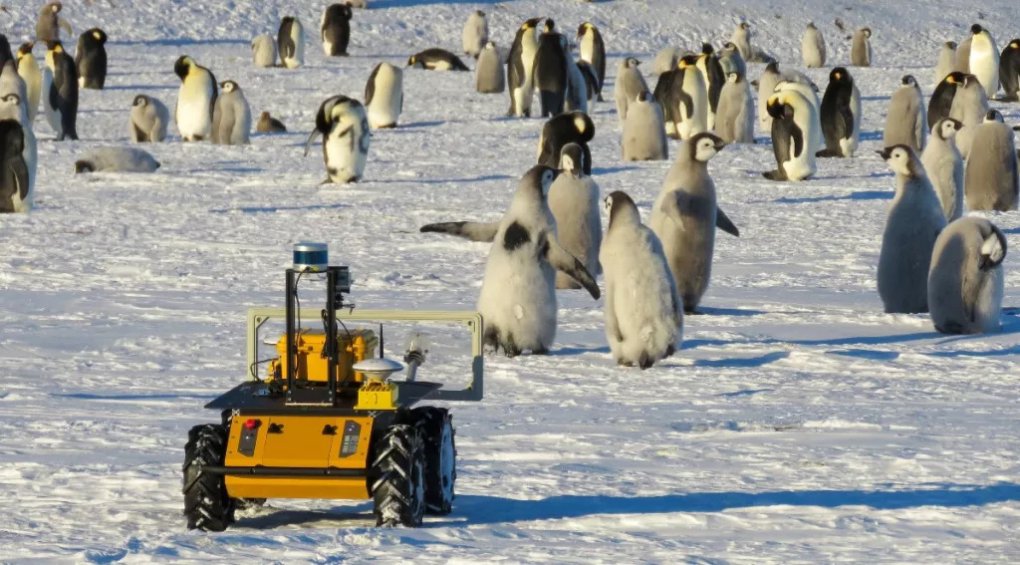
x=837, y=116
x=734, y=118
x=436, y=59
x=944, y=166
x=629, y=83
x=644, y=312
x=49, y=24
x=345, y=138
x=812, y=47
x=644, y=134
x=520, y=69
x=117, y=160
x=518, y=297
x=990, y=176
x=489, y=77
x=906, y=122
x=793, y=119
x=965, y=284
x=263, y=50
x=28, y=70
x=14, y=182
x=593, y=51
x=61, y=102
x=90, y=59
x=335, y=29
x=149, y=119
x=574, y=203
x=1009, y=71
x=196, y=99
x=569, y=127
x=290, y=40
x=860, y=49
x=384, y=96
x=475, y=34
x=231, y=116
x=550, y=79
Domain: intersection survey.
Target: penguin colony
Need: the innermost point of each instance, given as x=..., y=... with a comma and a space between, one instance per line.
x=950, y=155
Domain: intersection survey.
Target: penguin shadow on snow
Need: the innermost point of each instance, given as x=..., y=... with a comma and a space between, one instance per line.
x=743, y=362
x=856, y=195
x=275, y=209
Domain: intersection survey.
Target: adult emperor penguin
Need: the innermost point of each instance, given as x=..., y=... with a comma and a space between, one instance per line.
x=569, y=127
x=290, y=41
x=793, y=118
x=578, y=86
x=860, y=48
x=734, y=118
x=269, y=124
x=263, y=50
x=990, y=175
x=518, y=297
x=520, y=68
x=906, y=122
x=684, y=99
x=335, y=29
x=49, y=24
x=231, y=116
x=475, y=34
x=810, y=93
x=149, y=119
x=1009, y=71
x=61, y=102
x=741, y=39
x=837, y=116
x=945, y=62
x=984, y=59
x=970, y=105
x=90, y=59
x=914, y=222
x=117, y=160
x=345, y=138
x=12, y=107
x=14, y=182
x=944, y=166
x=685, y=216
x=644, y=134
x=812, y=47
x=712, y=73
x=436, y=59
x=593, y=51
x=551, y=70
x=28, y=70
x=196, y=99
x=941, y=102
x=489, y=74
x=574, y=203
x=965, y=284
x=629, y=83
x=384, y=96
x=644, y=312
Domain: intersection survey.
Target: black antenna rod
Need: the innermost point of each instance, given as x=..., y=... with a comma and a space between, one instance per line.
x=382, y=341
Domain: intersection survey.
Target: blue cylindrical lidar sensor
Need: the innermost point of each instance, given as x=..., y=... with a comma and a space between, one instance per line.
x=310, y=256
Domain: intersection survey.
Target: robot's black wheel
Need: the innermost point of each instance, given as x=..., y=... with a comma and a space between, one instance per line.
x=436, y=428
x=206, y=504
x=398, y=488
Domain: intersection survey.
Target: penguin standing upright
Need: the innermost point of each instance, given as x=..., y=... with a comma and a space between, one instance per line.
x=734, y=118
x=335, y=29
x=990, y=178
x=906, y=122
x=574, y=203
x=231, y=116
x=914, y=222
x=345, y=138
x=941, y=102
x=384, y=96
x=519, y=69
x=684, y=98
x=551, y=70
x=489, y=74
x=290, y=41
x=984, y=59
x=685, y=216
x=1009, y=71
x=90, y=59
x=812, y=47
x=263, y=50
x=946, y=61
x=961, y=61
x=577, y=87
x=860, y=48
x=518, y=297
x=14, y=182
x=569, y=127
x=837, y=116
x=475, y=34
x=28, y=70
x=944, y=166
x=12, y=107
x=61, y=102
x=593, y=51
x=644, y=134
x=712, y=73
x=731, y=61
x=741, y=39
x=149, y=119
x=49, y=24
x=793, y=118
x=965, y=283
x=970, y=106
x=629, y=83
x=196, y=99
x=767, y=82
x=644, y=312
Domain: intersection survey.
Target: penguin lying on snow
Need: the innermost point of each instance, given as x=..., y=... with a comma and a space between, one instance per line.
x=116, y=160
x=269, y=124
x=965, y=284
x=436, y=59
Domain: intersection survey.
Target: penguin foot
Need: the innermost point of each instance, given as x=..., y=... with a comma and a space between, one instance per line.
x=827, y=153
x=774, y=175
x=693, y=312
x=599, y=98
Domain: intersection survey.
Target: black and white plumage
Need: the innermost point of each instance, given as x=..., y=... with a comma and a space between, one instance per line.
x=712, y=73
x=343, y=124
x=14, y=176
x=13, y=107
x=944, y=166
x=793, y=119
x=570, y=127
x=61, y=102
x=90, y=59
x=436, y=59
x=941, y=102
x=117, y=160
x=837, y=116
x=519, y=68
x=196, y=99
x=906, y=122
x=984, y=59
x=1009, y=71
x=149, y=119
x=231, y=116
x=684, y=98
x=290, y=41
x=28, y=70
x=592, y=50
x=551, y=61
x=335, y=29
x=384, y=96
x=965, y=283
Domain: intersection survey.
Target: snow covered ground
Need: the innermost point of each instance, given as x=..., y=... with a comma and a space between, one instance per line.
x=798, y=423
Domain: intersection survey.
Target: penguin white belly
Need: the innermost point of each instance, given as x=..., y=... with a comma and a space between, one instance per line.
x=193, y=103
x=988, y=306
x=384, y=111
x=33, y=86
x=588, y=48
x=518, y=297
x=327, y=46
x=345, y=162
x=526, y=92
x=849, y=145
x=984, y=64
x=441, y=65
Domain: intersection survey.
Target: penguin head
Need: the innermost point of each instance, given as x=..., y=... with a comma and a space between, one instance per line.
x=572, y=159
x=583, y=28
x=583, y=125
x=946, y=128
x=976, y=29
x=951, y=45
x=901, y=159
x=25, y=49
x=644, y=96
x=776, y=106
x=98, y=35
x=183, y=66
x=993, y=248
x=84, y=166
x=866, y=31
x=412, y=61
x=772, y=67
x=264, y=117
x=733, y=77
x=1014, y=45
x=550, y=25
x=707, y=49
x=745, y=25
x=704, y=146
x=631, y=63
x=994, y=116
x=140, y=101
x=56, y=7
x=55, y=46
x=480, y=13
x=839, y=75
x=811, y=25
x=531, y=23
x=620, y=206
x=908, y=80
x=955, y=78
x=687, y=61
x=229, y=86
x=537, y=180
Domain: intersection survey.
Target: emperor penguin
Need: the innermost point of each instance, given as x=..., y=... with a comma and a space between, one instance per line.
x=941, y=102
x=196, y=99
x=812, y=47
x=520, y=65
x=837, y=116
x=771, y=79
x=961, y=61
x=343, y=123
x=666, y=60
x=984, y=59
x=914, y=222
x=28, y=70
x=643, y=310
x=551, y=70
x=489, y=74
x=475, y=34
x=5, y=50
x=568, y=127
x=335, y=29
x=1009, y=71
x=49, y=24
x=269, y=124
x=12, y=107
x=906, y=122
x=731, y=61
x=384, y=96
x=117, y=160
x=149, y=119
x=61, y=102
x=793, y=126
x=436, y=59
x=944, y=166
x=263, y=50
x=290, y=41
x=590, y=80
x=741, y=39
x=970, y=105
x=860, y=48
x=578, y=86
x=518, y=297
x=592, y=50
x=684, y=98
x=734, y=118
x=685, y=216
x=946, y=61
x=965, y=284
x=90, y=59
x=629, y=83
x=574, y=203
x=712, y=73
x=644, y=134
x=14, y=182
x=990, y=178
x=231, y=116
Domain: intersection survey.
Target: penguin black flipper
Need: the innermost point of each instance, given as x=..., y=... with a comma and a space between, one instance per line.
x=787, y=141
x=284, y=40
x=19, y=171
x=370, y=87
x=723, y=222
x=474, y=231
x=591, y=81
x=563, y=261
x=65, y=95
x=664, y=94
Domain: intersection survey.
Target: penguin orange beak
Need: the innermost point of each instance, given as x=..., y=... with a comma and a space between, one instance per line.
x=885, y=153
